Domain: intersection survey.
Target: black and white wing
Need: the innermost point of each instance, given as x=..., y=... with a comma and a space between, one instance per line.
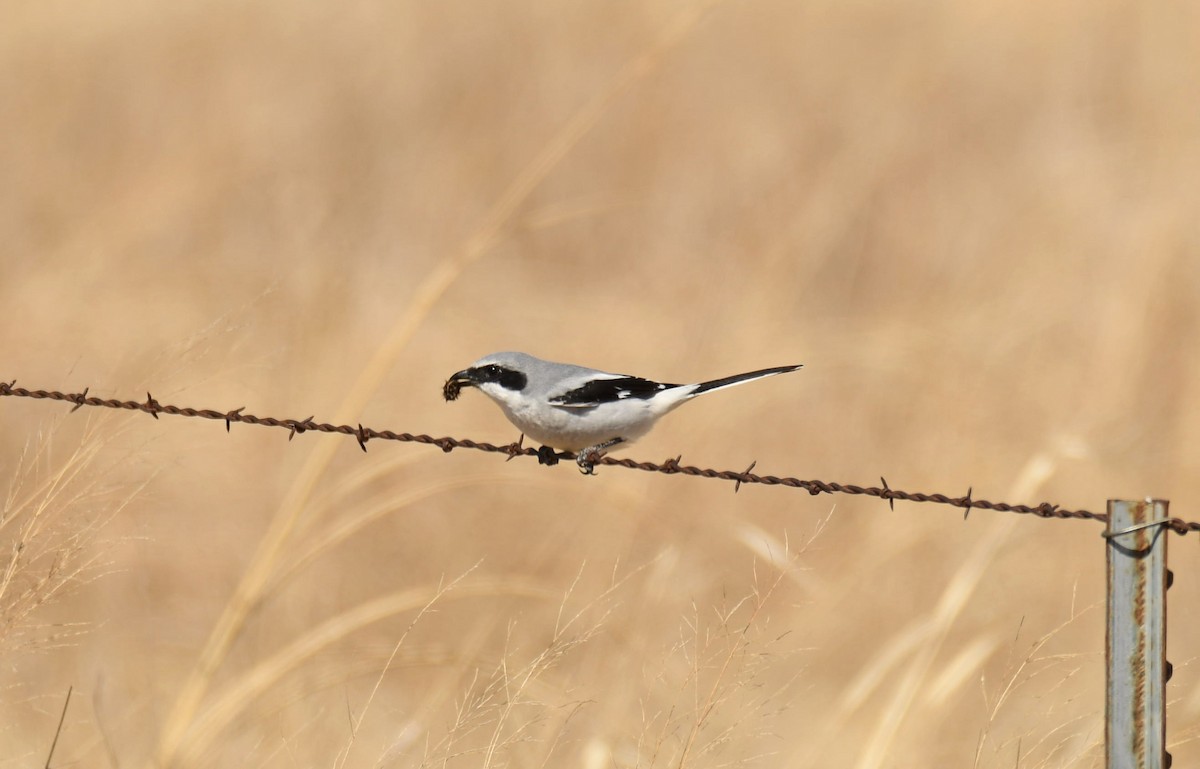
x=598, y=391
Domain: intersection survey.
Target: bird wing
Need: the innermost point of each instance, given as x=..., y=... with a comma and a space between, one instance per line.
x=598, y=391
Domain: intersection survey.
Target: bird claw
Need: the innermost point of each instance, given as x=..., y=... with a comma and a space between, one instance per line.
x=587, y=458
x=587, y=461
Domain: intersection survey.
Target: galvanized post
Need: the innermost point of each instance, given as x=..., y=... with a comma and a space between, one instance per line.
x=1135, y=729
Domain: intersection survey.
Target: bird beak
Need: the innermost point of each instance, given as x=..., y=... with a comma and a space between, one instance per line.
x=465, y=378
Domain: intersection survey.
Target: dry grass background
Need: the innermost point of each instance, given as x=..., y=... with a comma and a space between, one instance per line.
x=975, y=223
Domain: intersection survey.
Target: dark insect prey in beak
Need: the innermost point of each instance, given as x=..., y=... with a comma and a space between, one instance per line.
x=454, y=385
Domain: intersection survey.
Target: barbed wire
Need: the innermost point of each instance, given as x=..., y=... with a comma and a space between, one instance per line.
x=669, y=467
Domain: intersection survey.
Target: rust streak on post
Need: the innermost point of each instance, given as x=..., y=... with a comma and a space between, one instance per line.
x=1135, y=723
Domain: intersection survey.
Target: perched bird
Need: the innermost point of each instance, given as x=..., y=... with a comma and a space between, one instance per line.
x=579, y=409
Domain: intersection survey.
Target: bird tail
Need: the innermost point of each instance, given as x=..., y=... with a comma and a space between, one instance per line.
x=737, y=379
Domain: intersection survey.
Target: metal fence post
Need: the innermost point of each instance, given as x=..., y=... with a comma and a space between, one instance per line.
x=1135, y=727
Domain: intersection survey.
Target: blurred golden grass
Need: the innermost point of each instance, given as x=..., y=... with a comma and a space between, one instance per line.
x=55, y=508
x=975, y=224
x=426, y=296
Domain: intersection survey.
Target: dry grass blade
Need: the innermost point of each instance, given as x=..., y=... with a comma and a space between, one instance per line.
x=507, y=708
x=232, y=702
x=721, y=675
x=58, y=731
x=714, y=697
x=1022, y=674
x=366, y=514
x=49, y=528
x=955, y=598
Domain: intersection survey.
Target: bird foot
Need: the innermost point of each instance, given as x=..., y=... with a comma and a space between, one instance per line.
x=547, y=456
x=587, y=458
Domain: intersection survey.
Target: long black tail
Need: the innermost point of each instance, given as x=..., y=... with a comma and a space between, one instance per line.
x=737, y=379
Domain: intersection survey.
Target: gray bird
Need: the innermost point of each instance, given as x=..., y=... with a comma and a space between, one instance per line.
x=579, y=409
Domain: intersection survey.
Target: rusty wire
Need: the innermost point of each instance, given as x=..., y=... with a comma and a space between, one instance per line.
x=669, y=467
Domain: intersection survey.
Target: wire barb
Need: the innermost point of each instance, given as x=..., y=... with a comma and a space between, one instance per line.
x=1046, y=510
x=233, y=416
x=517, y=448
x=669, y=467
x=152, y=408
x=80, y=400
x=746, y=476
x=299, y=426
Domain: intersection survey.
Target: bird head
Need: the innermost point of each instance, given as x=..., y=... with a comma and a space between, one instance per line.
x=496, y=375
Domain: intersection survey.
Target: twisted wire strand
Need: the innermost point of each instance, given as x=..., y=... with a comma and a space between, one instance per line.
x=670, y=467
